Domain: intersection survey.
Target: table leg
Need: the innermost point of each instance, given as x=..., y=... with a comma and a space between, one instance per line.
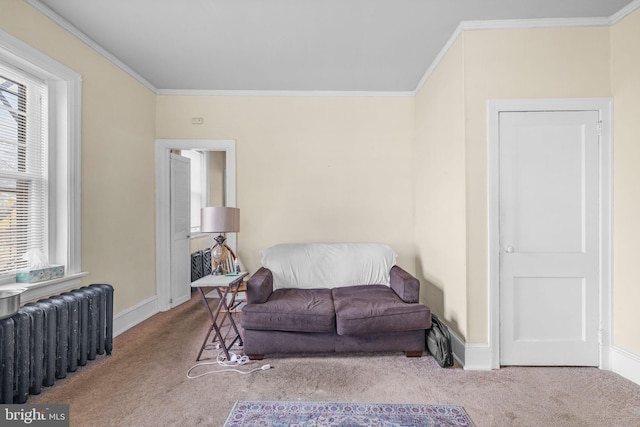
x=214, y=326
x=234, y=291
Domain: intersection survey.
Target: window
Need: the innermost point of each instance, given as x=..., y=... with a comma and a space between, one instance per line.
x=39, y=164
x=199, y=187
x=23, y=180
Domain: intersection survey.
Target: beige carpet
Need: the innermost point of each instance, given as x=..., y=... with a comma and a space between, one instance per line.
x=144, y=383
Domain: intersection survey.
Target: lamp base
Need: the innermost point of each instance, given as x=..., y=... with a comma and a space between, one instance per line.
x=219, y=254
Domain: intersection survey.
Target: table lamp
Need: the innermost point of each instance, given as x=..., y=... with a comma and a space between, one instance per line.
x=219, y=219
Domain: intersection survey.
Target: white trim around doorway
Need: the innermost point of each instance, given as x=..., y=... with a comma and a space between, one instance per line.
x=605, y=108
x=163, y=189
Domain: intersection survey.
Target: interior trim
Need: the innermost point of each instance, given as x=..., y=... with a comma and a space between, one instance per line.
x=604, y=106
x=74, y=31
x=625, y=363
x=463, y=26
x=290, y=93
x=38, y=290
x=163, y=206
x=65, y=127
x=127, y=319
x=625, y=11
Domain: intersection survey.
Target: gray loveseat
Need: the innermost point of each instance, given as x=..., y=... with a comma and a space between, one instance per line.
x=323, y=298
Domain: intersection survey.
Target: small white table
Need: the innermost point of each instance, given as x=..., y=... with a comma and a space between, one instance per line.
x=226, y=285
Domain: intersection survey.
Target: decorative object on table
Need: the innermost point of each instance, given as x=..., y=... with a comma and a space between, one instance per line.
x=219, y=219
x=39, y=268
x=227, y=263
x=345, y=414
x=232, y=266
x=201, y=266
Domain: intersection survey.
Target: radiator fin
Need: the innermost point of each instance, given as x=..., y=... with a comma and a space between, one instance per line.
x=53, y=336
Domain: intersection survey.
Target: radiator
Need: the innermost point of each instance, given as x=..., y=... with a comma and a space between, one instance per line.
x=46, y=339
x=200, y=264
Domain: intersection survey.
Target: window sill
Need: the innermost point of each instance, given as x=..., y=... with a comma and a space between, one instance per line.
x=35, y=291
x=199, y=235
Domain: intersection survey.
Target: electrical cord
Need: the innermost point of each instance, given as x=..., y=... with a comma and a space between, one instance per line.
x=261, y=368
x=234, y=361
x=221, y=360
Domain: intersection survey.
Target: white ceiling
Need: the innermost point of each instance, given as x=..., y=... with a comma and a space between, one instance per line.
x=292, y=45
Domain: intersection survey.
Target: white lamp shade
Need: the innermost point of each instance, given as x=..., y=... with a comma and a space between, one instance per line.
x=219, y=219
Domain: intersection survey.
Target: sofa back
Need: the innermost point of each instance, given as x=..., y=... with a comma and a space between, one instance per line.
x=328, y=265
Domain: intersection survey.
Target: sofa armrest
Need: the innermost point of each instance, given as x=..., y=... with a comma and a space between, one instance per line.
x=405, y=285
x=259, y=286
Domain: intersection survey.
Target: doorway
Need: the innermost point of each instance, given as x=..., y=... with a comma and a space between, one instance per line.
x=180, y=229
x=163, y=205
x=549, y=251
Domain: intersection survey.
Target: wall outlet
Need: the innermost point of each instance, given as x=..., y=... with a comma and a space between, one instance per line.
x=197, y=120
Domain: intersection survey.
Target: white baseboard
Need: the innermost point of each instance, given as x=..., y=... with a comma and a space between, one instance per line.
x=477, y=357
x=458, y=348
x=626, y=364
x=130, y=317
x=182, y=300
x=472, y=357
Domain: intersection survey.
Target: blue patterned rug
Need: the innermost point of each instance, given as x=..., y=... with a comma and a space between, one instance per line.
x=316, y=414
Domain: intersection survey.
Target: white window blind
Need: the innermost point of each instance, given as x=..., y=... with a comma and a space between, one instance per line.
x=198, y=185
x=23, y=169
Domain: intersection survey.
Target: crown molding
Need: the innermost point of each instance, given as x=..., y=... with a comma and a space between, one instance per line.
x=283, y=93
x=74, y=31
x=462, y=27
x=520, y=24
x=625, y=11
x=439, y=57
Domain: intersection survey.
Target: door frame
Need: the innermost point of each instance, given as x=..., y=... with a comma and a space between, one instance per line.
x=604, y=106
x=175, y=160
x=163, y=207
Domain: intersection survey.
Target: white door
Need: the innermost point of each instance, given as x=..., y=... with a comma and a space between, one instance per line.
x=180, y=199
x=549, y=238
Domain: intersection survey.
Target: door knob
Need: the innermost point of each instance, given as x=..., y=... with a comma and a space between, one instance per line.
x=509, y=249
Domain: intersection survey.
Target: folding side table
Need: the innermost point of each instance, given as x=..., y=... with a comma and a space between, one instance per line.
x=226, y=286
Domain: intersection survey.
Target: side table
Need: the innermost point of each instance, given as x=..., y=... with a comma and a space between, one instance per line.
x=225, y=286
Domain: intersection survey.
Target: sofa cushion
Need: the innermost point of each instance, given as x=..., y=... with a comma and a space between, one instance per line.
x=297, y=310
x=375, y=309
x=328, y=265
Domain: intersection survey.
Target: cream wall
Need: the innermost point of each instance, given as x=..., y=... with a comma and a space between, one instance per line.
x=217, y=164
x=439, y=165
x=310, y=168
x=625, y=78
x=532, y=63
x=118, y=125
x=451, y=147
x=557, y=63
x=409, y=172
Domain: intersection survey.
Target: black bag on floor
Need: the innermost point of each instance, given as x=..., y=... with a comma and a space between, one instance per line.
x=439, y=342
